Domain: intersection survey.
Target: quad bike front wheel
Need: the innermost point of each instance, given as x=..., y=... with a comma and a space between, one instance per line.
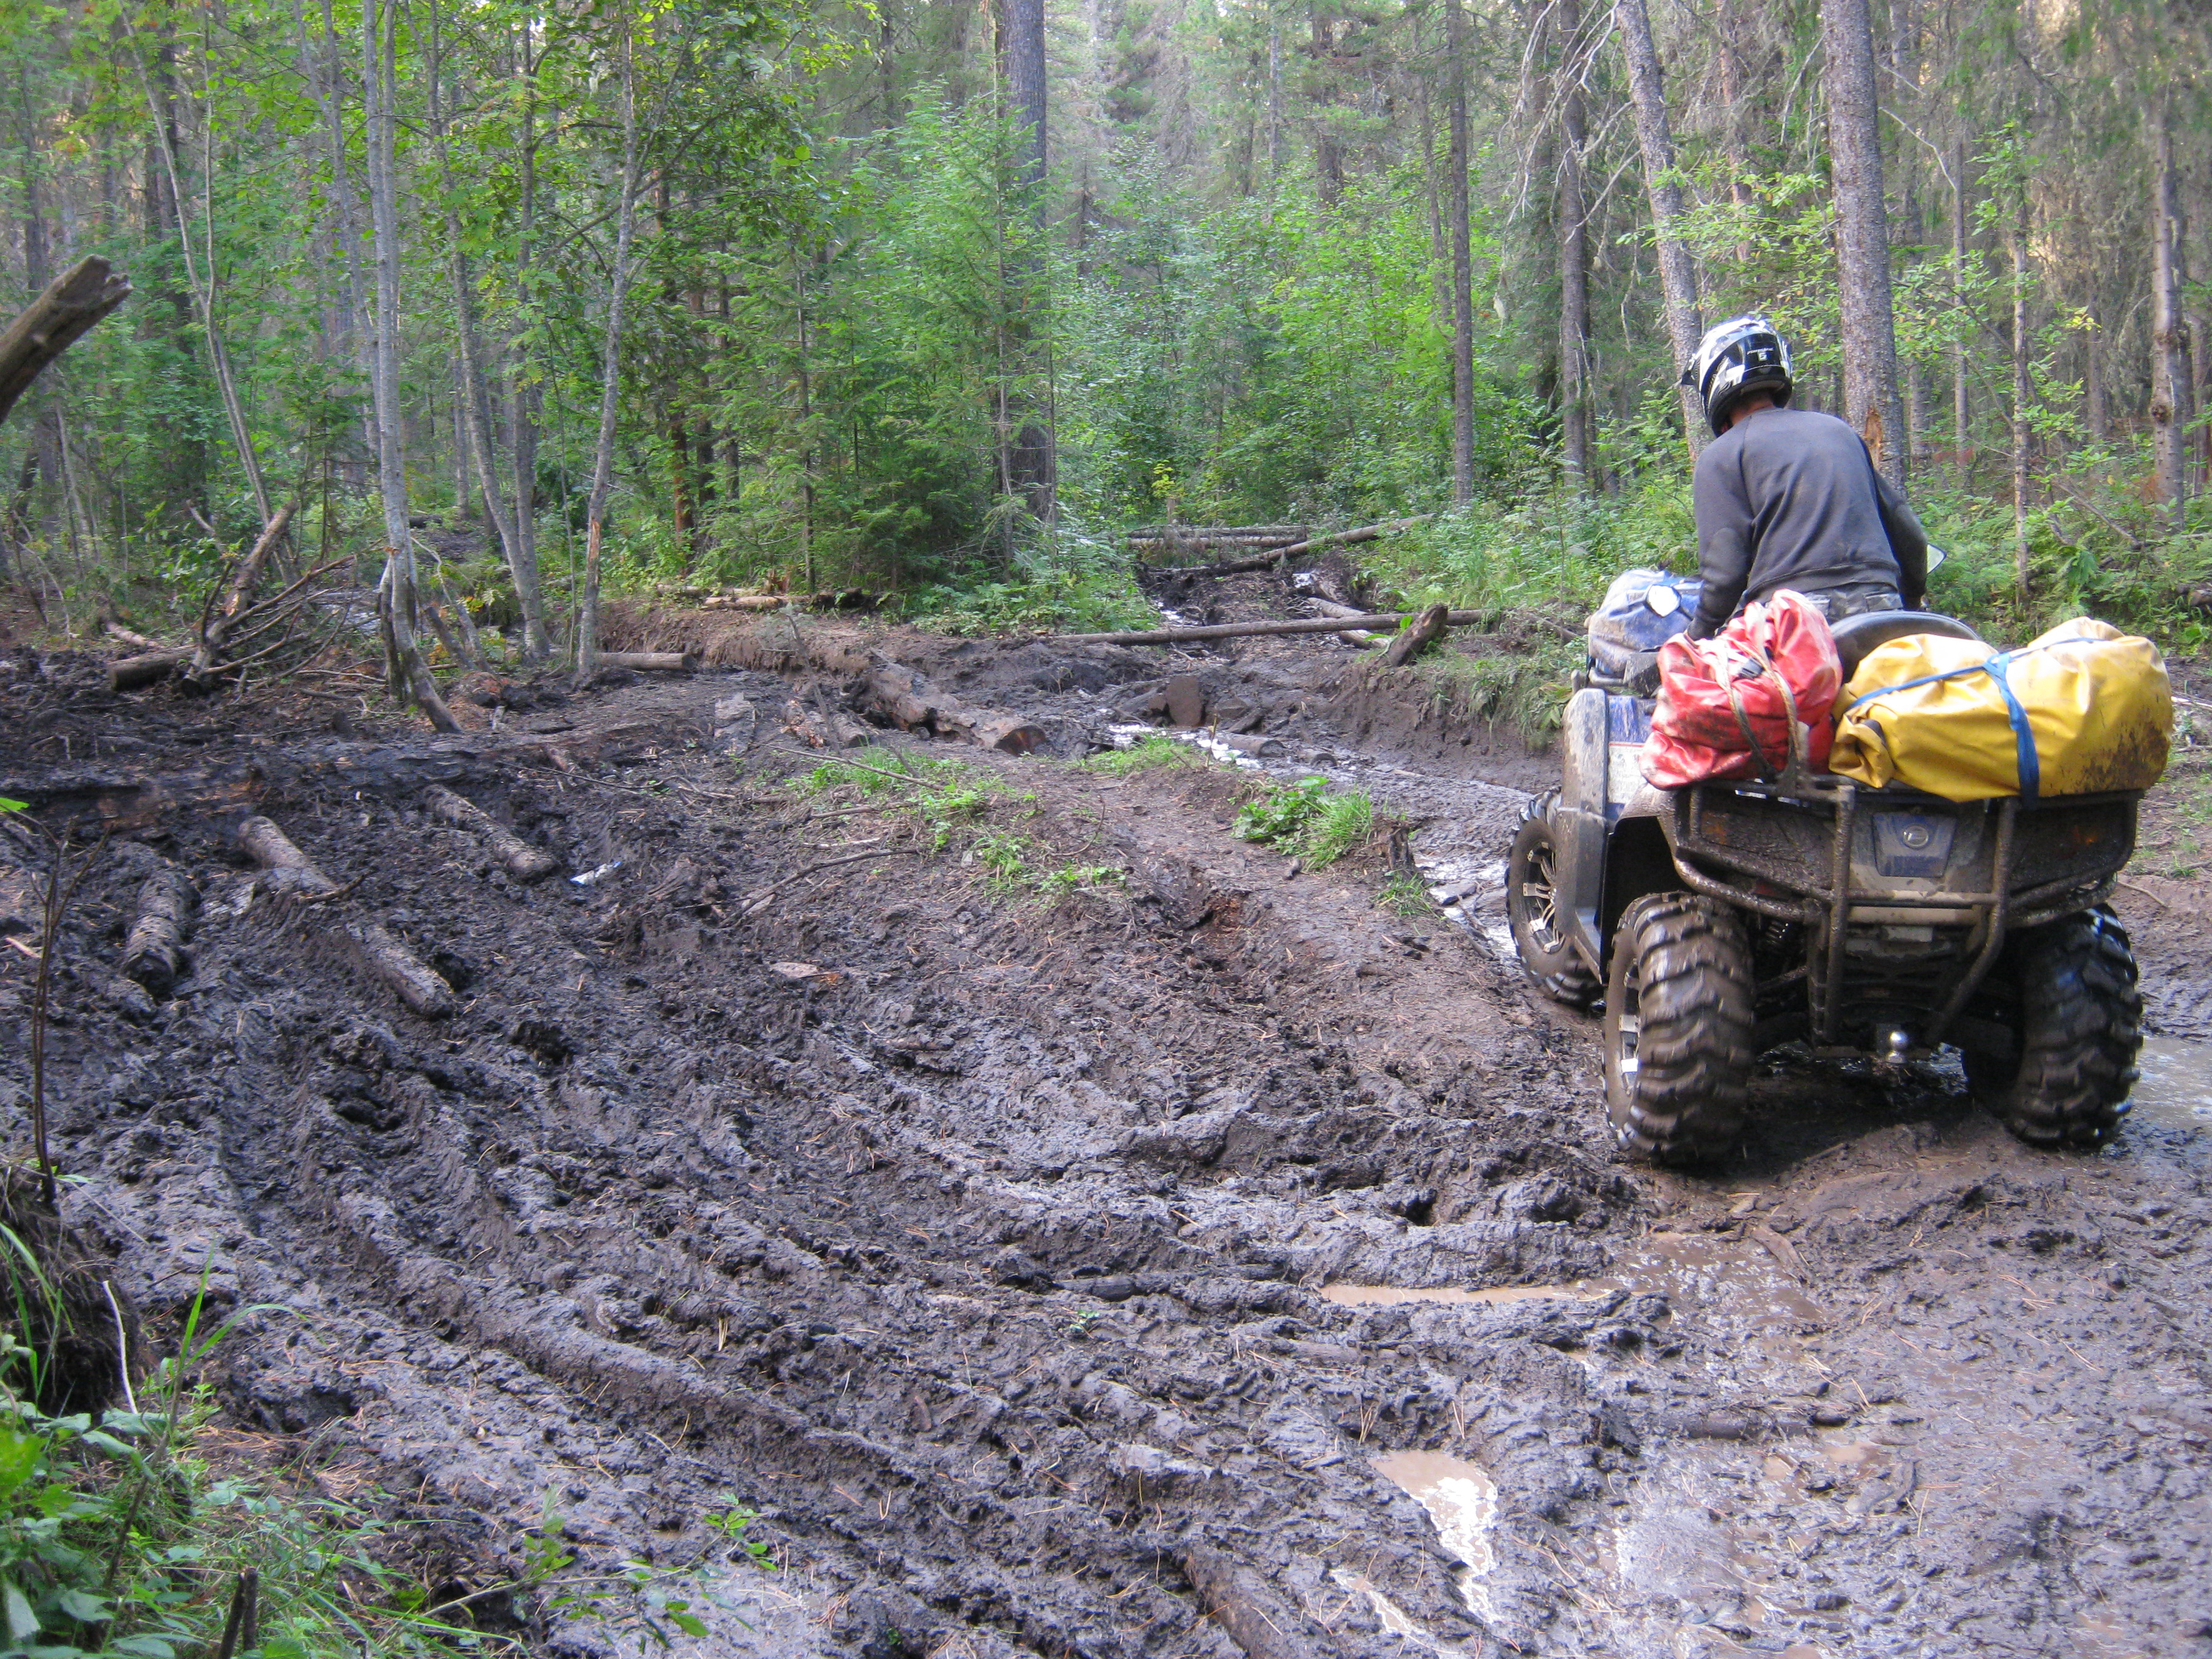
x=1677, y=1024
x=1532, y=911
x=2079, y=1020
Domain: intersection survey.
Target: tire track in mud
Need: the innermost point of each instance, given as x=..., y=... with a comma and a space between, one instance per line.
x=991, y=1260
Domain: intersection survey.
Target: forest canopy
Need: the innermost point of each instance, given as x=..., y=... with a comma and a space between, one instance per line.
x=513, y=303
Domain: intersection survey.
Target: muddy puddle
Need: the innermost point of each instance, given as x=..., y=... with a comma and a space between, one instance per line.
x=2174, y=1087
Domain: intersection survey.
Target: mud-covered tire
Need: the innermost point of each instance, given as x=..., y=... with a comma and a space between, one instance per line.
x=1540, y=937
x=2080, y=1022
x=1678, y=1026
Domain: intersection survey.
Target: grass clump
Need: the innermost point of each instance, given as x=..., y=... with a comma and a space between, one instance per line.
x=1404, y=895
x=1159, y=750
x=1308, y=821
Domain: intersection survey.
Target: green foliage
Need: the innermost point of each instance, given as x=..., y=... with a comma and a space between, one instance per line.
x=1073, y=878
x=1159, y=750
x=1308, y=820
x=1404, y=895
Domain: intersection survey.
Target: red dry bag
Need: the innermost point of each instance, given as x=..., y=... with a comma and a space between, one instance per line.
x=1725, y=703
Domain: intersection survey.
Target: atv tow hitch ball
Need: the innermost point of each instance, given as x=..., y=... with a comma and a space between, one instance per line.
x=1896, y=1048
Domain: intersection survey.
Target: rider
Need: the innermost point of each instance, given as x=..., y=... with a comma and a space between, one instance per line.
x=1787, y=497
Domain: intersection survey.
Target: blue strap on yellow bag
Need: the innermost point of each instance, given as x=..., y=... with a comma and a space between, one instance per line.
x=2085, y=709
x=2030, y=769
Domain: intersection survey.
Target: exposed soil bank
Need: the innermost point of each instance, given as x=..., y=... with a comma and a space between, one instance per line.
x=993, y=1245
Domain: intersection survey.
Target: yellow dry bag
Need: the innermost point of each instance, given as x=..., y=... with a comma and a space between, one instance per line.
x=2084, y=708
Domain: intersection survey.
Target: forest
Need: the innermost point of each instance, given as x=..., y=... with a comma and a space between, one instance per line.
x=502, y=308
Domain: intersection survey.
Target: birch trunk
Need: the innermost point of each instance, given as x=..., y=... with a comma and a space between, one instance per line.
x=2166, y=362
x=1655, y=138
x=524, y=397
x=1463, y=265
x=1869, y=328
x=2023, y=391
x=1960, y=408
x=1574, y=259
x=603, y=458
x=405, y=666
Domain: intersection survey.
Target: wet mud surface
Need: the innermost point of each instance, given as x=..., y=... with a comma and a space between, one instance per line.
x=1203, y=1249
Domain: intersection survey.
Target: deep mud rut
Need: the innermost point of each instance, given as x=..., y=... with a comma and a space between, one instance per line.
x=1073, y=1276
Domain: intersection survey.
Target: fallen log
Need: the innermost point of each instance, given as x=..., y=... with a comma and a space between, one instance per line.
x=1351, y=636
x=1417, y=637
x=672, y=662
x=1265, y=1624
x=128, y=673
x=1379, y=619
x=381, y=953
x=153, y=951
x=823, y=731
x=130, y=636
x=1282, y=556
x=524, y=862
x=909, y=701
x=54, y=321
x=1157, y=531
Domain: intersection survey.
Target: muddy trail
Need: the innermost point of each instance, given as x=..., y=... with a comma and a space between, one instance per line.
x=1075, y=1230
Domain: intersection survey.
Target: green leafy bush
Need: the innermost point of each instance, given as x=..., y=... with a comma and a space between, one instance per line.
x=1306, y=820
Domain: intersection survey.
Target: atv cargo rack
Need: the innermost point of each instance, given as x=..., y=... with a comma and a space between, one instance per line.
x=1756, y=846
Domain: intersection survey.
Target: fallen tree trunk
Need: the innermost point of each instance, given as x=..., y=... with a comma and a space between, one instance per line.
x=154, y=952
x=1379, y=619
x=911, y=703
x=54, y=321
x=116, y=630
x=1158, y=532
x=524, y=862
x=1424, y=628
x=672, y=662
x=381, y=953
x=128, y=673
x=1282, y=556
x=1331, y=608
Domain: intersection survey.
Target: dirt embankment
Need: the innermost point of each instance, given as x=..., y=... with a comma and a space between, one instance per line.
x=1188, y=1257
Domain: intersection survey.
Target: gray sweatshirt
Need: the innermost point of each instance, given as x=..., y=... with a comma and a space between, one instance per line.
x=1789, y=498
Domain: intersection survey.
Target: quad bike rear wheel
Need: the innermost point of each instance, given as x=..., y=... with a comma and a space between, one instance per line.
x=1677, y=1024
x=2079, y=1020
x=1533, y=912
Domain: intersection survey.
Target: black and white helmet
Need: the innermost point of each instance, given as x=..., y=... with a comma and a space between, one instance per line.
x=1744, y=354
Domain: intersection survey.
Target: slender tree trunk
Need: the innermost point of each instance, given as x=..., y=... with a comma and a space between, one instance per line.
x=1678, y=272
x=1574, y=259
x=1034, y=453
x=524, y=397
x=476, y=429
x=2023, y=391
x=2099, y=412
x=405, y=666
x=2167, y=374
x=1869, y=328
x=202, y=282
x=1462, y=264
x=1274, y=101
x=618, y=280
x=1960, y=410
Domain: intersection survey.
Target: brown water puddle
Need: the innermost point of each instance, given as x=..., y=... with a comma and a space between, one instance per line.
x=1357, y=1296
x=1462, y=1499
x=2176, y=1085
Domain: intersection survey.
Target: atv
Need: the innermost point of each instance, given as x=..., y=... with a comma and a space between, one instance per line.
x=1719, y=922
